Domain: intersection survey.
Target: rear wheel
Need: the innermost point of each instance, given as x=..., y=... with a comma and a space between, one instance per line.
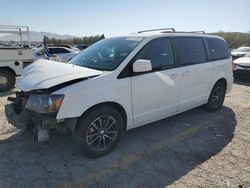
x=100, y=130
x=216, y=97
x=7, y=80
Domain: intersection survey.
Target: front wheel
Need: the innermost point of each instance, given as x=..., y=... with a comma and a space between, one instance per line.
x=216, y=97
x=100, y=131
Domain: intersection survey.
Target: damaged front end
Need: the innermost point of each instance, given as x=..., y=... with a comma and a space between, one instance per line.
x=35, y=107
x=36, y=111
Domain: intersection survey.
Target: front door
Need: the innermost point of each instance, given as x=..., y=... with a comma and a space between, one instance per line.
x=155, y=94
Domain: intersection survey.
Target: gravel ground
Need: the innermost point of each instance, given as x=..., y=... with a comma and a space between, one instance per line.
x=193, y=149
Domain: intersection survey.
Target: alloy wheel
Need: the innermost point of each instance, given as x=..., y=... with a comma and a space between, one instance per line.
x=218, y=96
x=102, y=133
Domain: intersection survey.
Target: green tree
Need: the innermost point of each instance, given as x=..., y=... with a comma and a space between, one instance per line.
x=88, y=40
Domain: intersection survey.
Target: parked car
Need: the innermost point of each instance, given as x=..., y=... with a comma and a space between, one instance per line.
x=62, y=54
x=240, y=52
x=242, y=66
x=121, y=83
x=66, y=46
x=81, y=46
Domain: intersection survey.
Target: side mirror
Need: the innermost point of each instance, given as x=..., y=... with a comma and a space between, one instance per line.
x=142, y=65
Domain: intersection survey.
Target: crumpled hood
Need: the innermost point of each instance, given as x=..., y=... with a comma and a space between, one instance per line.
x=44, y=74
x=244, y=61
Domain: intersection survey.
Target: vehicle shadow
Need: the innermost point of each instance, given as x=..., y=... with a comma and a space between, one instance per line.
x=154, y=155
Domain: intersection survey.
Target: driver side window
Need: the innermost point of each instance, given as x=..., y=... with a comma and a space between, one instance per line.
x=159, y=52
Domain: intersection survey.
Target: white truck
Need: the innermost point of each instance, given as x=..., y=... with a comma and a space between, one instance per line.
x=15, y=57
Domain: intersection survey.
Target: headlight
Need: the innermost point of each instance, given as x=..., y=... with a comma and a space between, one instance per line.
x=44, y=103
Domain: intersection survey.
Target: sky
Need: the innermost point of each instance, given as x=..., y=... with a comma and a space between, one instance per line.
x=119, y=17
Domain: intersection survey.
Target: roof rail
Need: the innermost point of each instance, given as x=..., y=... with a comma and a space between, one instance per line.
x=203, y=32
x=167, y=30
x=164, y=29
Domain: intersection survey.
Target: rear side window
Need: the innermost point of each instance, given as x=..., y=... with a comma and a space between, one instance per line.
x=218, y=49
x=190, y=50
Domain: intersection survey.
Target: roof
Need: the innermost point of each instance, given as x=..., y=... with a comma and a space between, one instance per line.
x=169, y=32
x=148, y=35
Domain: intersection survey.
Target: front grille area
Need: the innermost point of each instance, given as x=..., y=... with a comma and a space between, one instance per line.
x=20, y=101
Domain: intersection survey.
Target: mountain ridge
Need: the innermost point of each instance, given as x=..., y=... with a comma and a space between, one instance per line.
x=36, y=36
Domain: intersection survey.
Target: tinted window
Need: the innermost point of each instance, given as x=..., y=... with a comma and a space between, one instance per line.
x=60, y=50
x=190, y=50
x=218, y=49
x=51, y=51
x=159, y=52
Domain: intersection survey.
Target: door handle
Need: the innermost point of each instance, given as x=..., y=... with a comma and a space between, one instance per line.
x=173, y=76
x=186, y=73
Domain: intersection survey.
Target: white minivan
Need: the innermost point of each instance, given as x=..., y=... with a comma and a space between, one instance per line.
x=121, y=83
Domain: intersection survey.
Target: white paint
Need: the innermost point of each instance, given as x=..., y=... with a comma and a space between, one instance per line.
x=145, y=98
x=44, y=74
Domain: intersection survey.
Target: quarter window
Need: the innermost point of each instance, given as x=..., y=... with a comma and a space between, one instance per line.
x=159, y=52
x=190, y=50
x=218, y=49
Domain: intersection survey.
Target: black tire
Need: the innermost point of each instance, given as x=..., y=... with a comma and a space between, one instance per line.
x=100, y=130
x=216, y=97
x=7, y=80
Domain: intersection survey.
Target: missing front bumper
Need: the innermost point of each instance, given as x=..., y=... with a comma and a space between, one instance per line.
x=21, y=121
x=41, y=125
x=25, y=123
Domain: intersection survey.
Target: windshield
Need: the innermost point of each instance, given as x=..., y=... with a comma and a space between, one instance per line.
x=107, y=54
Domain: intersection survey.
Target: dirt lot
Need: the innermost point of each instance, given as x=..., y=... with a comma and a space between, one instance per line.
x=193, y=149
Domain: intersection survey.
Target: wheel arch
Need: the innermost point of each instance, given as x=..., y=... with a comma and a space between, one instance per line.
x=8, y=69
x=208, y=105
x=222, y=80
x=115, y=105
